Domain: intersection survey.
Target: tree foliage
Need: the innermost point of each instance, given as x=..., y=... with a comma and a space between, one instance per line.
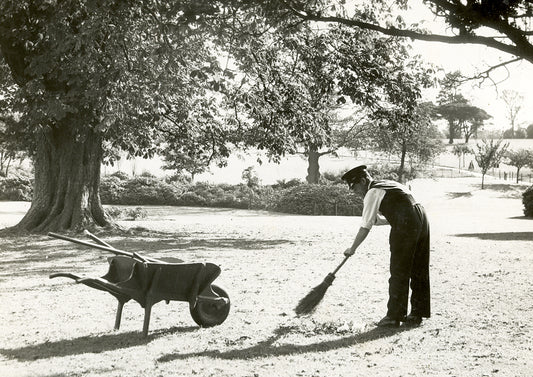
x=489, y=155
x=407, y=134
x=96, y=74
x=519, y=158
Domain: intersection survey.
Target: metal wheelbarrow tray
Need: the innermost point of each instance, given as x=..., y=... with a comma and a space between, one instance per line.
x=149, y=281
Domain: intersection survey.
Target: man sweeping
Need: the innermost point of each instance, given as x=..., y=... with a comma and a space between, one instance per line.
x=388, y=201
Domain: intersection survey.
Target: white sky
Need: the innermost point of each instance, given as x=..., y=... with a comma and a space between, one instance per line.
x=470, y=59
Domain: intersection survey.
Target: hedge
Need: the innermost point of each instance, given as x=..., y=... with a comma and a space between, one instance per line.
x=314, y=199
x=527, y=200
x=16, y=189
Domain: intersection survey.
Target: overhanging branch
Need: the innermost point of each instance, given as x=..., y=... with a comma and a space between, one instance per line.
x=524, y=51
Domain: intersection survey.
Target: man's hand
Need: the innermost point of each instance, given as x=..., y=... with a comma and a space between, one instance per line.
x=349, y=252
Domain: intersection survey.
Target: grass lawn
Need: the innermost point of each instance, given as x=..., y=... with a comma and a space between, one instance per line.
x=482, y=308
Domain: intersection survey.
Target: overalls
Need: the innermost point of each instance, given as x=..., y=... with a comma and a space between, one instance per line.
x=409, y=246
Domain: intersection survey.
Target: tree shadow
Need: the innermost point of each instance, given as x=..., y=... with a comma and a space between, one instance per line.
x=88, y=344
x=267, y=348
x=455, y=195
x=204, y=243
x=503, y=236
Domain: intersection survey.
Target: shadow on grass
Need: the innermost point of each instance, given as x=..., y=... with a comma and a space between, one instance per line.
x=88, y=344
x=455, y=195
x=503, y=236
x=267, y=348
x=205, y=243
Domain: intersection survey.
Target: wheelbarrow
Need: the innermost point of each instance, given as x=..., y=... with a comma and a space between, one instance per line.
x=148, y=281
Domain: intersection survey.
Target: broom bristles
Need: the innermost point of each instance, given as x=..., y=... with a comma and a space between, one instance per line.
x=309, y=303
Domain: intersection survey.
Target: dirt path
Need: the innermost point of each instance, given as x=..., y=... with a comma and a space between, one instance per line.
x=482, y=272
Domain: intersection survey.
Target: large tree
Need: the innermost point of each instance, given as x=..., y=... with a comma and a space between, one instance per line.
x=91, y=74
x=298, y=82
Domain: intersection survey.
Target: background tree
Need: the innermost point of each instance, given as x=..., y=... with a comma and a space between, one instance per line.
x=295, y=84
x=519, y=158
x=489, y=155
x=462, y=117
x=449, y=93
x=407, y=134
x=529, y=131
x=10, y=144
x=513, y=102
x=460, y=150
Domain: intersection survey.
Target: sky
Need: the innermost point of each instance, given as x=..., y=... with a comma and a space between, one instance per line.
x=470, y=59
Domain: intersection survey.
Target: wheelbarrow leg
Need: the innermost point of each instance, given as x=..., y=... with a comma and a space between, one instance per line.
x=119, y=314
x=147, y=312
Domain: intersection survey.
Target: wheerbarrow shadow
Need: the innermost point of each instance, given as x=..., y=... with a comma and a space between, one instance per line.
x=267, y=348
x=88, y=344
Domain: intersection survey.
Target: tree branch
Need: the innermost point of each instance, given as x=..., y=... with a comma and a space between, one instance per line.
x=522, y=48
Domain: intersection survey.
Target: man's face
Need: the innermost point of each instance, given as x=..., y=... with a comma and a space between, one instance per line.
x=360, y=187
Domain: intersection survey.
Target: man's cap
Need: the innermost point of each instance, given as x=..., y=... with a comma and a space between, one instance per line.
x=354, y=174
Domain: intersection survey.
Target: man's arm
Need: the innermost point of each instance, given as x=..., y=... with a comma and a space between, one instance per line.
x=381, y=220
x=359, y=238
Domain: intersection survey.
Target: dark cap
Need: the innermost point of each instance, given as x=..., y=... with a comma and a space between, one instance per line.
x=354, y=174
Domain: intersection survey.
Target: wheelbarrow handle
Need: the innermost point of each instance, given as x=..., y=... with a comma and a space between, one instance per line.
x=97, y=246
x=135, y=255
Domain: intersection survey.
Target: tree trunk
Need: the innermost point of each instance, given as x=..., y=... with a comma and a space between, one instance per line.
x=66, y=187
x=517, y=174
x=451, y=130
x=313, y=168
x=402, y=163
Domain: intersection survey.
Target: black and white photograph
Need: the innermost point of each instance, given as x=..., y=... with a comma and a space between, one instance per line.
x=243, y=188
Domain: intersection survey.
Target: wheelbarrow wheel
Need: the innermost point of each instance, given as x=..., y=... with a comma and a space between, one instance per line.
x=208, y=313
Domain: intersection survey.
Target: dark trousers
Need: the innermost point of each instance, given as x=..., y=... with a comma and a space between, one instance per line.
x=409, y=263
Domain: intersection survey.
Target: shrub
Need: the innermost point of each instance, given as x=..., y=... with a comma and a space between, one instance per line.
x=120, y=175
x=148, y=190
x=16, y=189
x=111, y=189
x=126, y=213
x=191, y=199
x=137, y=191
x=281, y=183
x=527, y=200
x=312, y=199
x=136, y=213
x=114, y=212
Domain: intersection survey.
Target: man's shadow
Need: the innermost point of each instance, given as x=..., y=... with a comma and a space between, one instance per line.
x=267, y=348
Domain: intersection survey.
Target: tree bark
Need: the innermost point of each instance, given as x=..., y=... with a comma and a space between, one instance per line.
x=401, y=170
x=66, y=186
x=313, y=168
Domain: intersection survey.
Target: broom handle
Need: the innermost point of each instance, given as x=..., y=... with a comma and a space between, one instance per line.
x=340, y=265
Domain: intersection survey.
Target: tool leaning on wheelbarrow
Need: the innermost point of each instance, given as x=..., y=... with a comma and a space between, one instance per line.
x=148, y=281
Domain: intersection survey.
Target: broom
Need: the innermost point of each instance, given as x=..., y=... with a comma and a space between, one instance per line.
x=309, y=303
